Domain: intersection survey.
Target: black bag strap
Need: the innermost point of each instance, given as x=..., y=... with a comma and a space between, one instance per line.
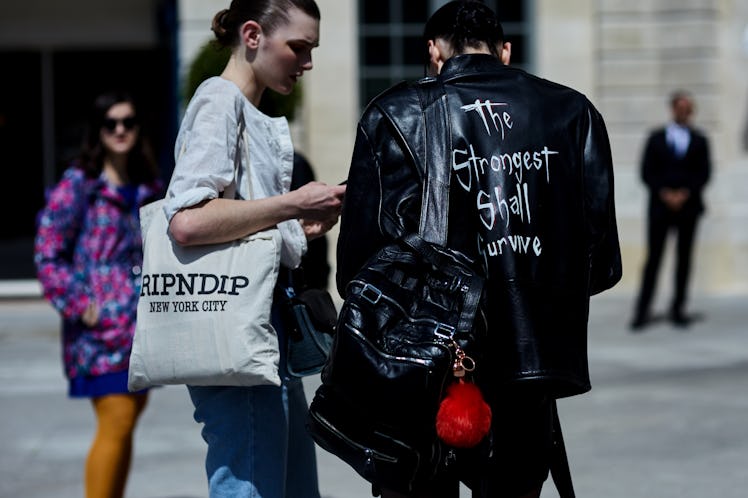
x=559, y=462
x=436, y=170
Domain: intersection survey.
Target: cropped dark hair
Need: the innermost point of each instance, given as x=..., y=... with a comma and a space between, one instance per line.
x=141, y=164
x=267, y=13
x=465, y=23
x=679, y=94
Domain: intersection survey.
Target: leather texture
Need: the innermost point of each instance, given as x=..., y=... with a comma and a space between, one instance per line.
x=398, y=331
x=407, y=316
x=531, y=202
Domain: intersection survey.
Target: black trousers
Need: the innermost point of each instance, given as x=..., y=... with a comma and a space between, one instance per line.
x=521, y=454
x=661, y=223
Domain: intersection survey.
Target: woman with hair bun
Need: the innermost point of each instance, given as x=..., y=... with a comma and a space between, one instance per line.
x=257, y=443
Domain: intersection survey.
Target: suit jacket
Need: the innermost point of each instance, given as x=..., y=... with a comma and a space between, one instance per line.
x=662, y=169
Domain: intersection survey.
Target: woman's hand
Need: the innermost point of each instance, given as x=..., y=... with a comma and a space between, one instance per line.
x=314, y=229
x=320, y=206
x=90, y=316
x=320, y=202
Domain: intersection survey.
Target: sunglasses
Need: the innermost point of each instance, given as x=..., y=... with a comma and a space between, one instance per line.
x=110, y=124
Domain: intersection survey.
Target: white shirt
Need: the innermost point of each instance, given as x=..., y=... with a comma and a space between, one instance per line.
x=209, y=144
x=678, y=137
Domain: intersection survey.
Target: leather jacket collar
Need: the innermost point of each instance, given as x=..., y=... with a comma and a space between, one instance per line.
x=471, y=63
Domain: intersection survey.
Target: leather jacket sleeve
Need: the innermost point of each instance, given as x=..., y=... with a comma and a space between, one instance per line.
x=360, y=209
x=605, y=257
x=379, y=178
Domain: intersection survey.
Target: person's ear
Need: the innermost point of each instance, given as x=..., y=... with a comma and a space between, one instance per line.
x=506, y=53
x=434, y=56
x=250, y=33
x=438, y=53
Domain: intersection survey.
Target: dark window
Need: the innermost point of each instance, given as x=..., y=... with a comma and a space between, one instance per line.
x=376, y=50
x=510, y=11
x=391, y=47
x=414, y=51
x=377, y=11
x=21, y=160
x=43, y=111
x=415, y=10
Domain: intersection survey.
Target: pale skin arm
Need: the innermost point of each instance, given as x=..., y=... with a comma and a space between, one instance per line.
x=316, y=205
x=222, y=220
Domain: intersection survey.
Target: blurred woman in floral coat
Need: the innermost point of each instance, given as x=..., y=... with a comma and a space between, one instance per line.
x=88, y=255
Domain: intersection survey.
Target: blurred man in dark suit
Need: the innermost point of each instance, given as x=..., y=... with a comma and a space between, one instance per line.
x=675, y=168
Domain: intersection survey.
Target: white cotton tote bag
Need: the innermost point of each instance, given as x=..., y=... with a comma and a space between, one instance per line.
x=203, y=316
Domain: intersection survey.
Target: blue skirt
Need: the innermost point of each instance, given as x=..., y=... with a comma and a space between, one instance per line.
x=100, y=385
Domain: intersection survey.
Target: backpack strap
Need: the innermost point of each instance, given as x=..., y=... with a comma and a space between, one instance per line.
x=559, y=461
x=436, y=169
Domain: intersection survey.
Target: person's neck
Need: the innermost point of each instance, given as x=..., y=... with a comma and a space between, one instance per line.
x=241, y=74
x=115, y=170
x=473, y=50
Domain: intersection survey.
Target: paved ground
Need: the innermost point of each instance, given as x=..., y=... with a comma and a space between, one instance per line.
x=666, y=417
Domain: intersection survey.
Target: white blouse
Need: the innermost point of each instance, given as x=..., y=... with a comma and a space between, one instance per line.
x=220, y=128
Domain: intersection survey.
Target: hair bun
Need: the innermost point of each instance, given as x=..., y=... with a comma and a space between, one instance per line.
x=219, y=24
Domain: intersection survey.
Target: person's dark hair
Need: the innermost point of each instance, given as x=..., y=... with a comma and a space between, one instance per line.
x=679, y=94
x=465, y=24
x=141, y=163
x=267, y=13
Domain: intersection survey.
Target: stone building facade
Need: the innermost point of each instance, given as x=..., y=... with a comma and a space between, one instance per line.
x=625, y=55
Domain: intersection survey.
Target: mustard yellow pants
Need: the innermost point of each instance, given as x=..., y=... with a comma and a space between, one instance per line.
x=108, y=462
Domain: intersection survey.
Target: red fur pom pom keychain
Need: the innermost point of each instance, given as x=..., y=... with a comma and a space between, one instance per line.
x=464, y=418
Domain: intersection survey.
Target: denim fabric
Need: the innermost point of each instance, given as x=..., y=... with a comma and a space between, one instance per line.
x=258, y=446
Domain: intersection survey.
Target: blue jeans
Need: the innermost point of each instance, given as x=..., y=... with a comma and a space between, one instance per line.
x=258, y=446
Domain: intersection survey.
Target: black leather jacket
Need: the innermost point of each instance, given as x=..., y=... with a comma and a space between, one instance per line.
x=531, y=202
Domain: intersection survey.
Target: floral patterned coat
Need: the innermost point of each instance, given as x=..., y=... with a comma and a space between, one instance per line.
x=88, y=248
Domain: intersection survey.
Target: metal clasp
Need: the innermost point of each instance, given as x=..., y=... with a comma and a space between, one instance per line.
x=444, y=331
x=371, y=293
